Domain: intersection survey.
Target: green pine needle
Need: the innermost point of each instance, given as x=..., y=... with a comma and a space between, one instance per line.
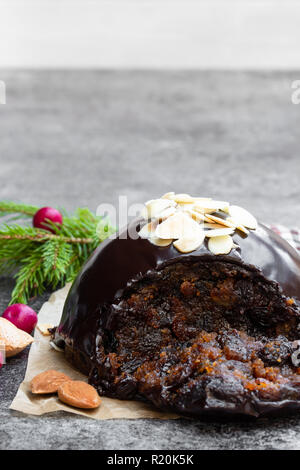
x=41, y=259
x=18, y=210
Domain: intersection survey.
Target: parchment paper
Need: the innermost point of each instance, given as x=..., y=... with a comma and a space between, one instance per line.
x=43, y=357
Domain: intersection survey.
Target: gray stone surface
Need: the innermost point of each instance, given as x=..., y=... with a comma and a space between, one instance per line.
x=82, y=138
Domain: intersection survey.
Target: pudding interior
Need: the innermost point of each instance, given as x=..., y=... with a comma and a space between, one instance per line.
x=196, y=335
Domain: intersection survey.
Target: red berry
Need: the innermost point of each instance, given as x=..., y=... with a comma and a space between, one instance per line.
x=22, y=316
x=44, y=214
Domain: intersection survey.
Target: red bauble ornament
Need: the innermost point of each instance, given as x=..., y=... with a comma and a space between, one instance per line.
x=45, y=214
x=22, y=316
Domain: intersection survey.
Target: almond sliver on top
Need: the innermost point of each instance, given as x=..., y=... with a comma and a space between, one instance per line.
x=177, y=226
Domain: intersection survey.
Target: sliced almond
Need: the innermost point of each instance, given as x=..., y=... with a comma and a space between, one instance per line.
x=12, y=338
x=165, y=214
x=242, y=229
x=168, y=195
x=212, y=205
x=202, y=211
x=44, y=328
x=196, y=215
x=182, y=206
x=209, y=225
x=243, y=217
x=199, y=208
x=220, y=232
x=177, y=226
x=149, y=202
x=220, y=245
x=182, y=198
x=186, y=245
x=238, y=226
x=160, y=241
x=155, y=206
x=220, y=221
x=147, y=230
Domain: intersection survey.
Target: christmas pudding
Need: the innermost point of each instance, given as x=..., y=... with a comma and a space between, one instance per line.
x=194, y=307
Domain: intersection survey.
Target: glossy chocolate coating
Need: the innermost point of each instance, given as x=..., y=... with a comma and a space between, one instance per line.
x=117, y=263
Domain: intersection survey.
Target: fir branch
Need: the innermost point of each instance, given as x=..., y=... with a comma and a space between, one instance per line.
x=41, y=237
x=9, y=207
x=57, y=257
x=28, y=279
x=44, y=259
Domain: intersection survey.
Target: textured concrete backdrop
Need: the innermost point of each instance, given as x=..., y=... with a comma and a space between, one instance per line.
x=82, y=138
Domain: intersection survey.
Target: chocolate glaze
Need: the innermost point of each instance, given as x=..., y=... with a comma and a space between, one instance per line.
x=118, y=262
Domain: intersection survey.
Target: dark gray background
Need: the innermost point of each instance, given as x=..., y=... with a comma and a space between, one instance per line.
x=82, y=138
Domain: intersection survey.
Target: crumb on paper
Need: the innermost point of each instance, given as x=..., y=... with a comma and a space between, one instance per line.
x=44, y=328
